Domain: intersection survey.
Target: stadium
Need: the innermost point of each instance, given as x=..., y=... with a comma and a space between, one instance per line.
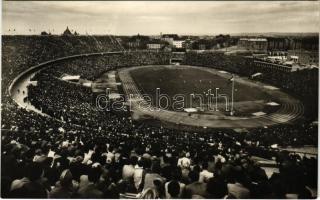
x=154, y=100
x=191, y=81
x=51, y=101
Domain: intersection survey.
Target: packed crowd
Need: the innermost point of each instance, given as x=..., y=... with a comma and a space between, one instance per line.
x=22, y=52
x=90, y=68
x=77, y=104
x=74, y=104
x=81, y=162
x=80, y=152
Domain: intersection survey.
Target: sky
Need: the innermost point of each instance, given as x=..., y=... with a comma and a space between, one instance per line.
x=153, y=17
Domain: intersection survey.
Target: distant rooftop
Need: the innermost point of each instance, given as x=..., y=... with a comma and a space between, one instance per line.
x=174, y=36
x=258, y=40
x=254, y=39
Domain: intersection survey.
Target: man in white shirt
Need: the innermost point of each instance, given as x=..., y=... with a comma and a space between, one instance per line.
x=129, y=169
x=205, y=175
x=184, y=162
x=138, y=174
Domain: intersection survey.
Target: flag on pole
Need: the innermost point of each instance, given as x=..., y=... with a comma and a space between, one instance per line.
x=231, y=80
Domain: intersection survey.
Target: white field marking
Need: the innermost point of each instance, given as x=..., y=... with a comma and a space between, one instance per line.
x=273, y=104
x=270, y=87
x=258, y=113
x=224, y=72
x=190, y=110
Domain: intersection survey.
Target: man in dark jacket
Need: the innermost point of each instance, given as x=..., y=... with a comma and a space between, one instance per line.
x=90, y=190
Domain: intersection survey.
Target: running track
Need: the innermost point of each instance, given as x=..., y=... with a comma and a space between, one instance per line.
x=290, y=110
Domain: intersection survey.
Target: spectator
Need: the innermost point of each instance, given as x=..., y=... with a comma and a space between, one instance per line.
x=91, y=190
x=65, y=188
x=129, y=169
x=173, y=190
x=29, y=186
x=195, y=189
x=238, y=189
x=138, y=175
x=216, y=189
x=205, y=175
x=153, y=175
x=176, y=177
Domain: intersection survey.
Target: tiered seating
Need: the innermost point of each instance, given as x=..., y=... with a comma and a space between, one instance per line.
x=85, y=153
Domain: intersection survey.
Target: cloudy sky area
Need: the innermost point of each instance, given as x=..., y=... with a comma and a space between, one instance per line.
x=128, y=18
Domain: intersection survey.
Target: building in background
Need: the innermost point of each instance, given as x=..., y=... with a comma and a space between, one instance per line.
x=156, y=44
x=169, y=38
x=178, y=43
x=303, y=49
x=253, y=44
x=304, y=57
x=276, y=64
x=136, y=42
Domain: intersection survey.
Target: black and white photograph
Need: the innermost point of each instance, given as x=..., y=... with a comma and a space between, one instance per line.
x=159, y=99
